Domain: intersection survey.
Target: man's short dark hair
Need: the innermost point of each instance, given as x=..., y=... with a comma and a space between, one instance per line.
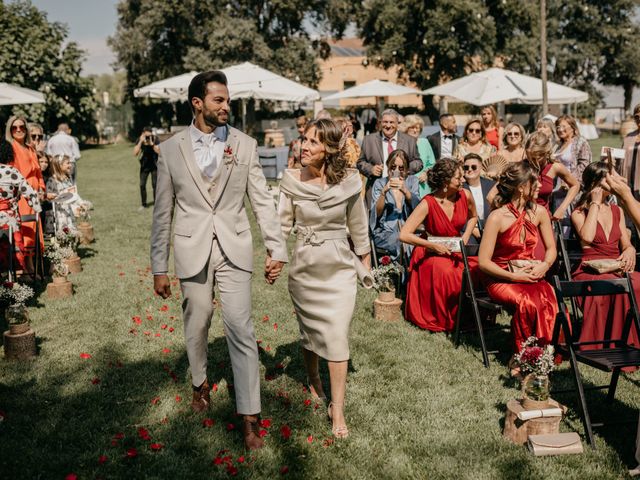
x=198, y=85
x=445, y=115
x=472, y=156
x=147, y=129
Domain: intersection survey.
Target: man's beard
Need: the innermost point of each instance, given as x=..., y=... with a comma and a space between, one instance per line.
x=212, y=119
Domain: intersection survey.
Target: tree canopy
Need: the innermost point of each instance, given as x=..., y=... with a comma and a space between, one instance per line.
x=34, y=54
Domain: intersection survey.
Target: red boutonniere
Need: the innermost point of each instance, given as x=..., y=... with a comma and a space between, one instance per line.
x=229, y=155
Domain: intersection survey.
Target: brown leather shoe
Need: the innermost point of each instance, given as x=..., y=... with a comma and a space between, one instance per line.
x=201, y=401
x=250, y=429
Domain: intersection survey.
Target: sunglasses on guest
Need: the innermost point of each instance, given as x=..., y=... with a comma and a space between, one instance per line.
x=18, y=128
x=513, y=134
x=472, y=168
x=37, y=138
x=474, y=130
x=397, y=167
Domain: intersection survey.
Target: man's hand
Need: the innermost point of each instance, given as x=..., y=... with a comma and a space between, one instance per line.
x=162, y=286
x=272, y=269
x=376, y=170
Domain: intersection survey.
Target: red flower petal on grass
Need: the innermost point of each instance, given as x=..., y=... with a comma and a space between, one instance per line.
x=265, y=318
x=240, y=459
x=156, y=446
x=71, y=476
x=85, y=355
x=217, y=461
x=231, y=470
x=133, y=331
x=214, y=387
x=119, y=436
x=143, y=433
x=275, y=327
x=285, y=431
x=208, y=422
x=284, y=470
x=163, y=326
x=307, y=402
x=131, y=453
x=263, y=433
x=137, y=320
x=310, y=439
x=230, y=426
x=102, y=459
x=158, y=334
x=164, y=308
x=155, y=400
x=121, y=274
x=147, y=333
x=166, y=350
x=95, y=381
x=149, y=317
x=171, y=329
x=178, y=398
x=265, y=423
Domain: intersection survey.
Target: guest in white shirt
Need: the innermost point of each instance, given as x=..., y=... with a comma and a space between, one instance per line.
x=478, y=186
x=444, y=142
x=62, y=143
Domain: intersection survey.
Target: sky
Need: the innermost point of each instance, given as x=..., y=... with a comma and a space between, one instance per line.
x=90, y=22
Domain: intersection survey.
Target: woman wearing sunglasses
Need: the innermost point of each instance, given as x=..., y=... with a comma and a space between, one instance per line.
x=631, y=145
x=513, y=143
x=25, y=161
x=474, y=140
x=37, y=137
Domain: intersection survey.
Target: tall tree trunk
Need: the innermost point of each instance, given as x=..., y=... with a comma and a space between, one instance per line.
x=628, y=94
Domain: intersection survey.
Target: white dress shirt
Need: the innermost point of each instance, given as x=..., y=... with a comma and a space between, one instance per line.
x=63, y=144
x=385, y=151
x=208, y=148
x=446, y=144
x=478, y=200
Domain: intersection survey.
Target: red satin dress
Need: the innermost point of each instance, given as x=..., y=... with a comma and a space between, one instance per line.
x=534, y=304
x=492, y=137
x=544, y=200
x=435, y=281
x=25, y=161
x=604, y=316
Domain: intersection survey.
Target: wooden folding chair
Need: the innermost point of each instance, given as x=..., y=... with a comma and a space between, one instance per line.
x=477, y=298
x=569, y=253
x=615, y=353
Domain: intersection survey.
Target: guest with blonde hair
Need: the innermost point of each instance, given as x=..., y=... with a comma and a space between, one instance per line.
x=474, y=140
x=548, y=127
x=492, y=128
x=574, y=151
x=351, y=147
x=60, y=182
x=513, y=143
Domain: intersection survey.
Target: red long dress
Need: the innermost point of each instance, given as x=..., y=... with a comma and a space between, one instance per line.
x=534, y=304
x=493, y=137
x=604, y=316
x=544, y=200
x=25, y=161
x=435, y=281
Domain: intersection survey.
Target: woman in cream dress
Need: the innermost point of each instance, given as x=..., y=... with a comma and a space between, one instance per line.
x=322, y=201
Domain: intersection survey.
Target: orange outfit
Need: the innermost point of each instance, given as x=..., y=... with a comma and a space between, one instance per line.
x=25, y=161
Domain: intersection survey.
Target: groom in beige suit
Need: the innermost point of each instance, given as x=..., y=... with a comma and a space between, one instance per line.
x=204, y=174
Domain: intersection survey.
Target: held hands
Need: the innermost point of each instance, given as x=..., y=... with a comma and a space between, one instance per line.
x=530, y=274
x=628, y=259
x=162, y=286
x=272, y=269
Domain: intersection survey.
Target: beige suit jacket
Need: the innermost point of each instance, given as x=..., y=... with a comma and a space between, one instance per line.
x=180, y=190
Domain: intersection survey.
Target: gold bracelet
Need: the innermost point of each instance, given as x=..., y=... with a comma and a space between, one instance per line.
x=595, y=203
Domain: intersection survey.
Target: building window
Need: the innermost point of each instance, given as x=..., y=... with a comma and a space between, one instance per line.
x=348, y=84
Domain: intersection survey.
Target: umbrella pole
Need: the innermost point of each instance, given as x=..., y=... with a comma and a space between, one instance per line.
x=244, y=114
x=543, y=56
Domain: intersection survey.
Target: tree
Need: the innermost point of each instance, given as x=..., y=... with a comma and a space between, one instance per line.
x=33, y=54
x=156, y=40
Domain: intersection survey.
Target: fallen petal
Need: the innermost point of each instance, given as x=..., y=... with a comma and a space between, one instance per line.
x=85, y=356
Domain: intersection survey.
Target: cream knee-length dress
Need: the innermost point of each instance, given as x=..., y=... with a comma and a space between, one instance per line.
x=322, y=275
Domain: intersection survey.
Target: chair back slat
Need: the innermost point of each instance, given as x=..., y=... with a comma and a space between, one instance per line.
x=591, y=288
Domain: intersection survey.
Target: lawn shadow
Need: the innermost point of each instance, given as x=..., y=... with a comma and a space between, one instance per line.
x=85, y=251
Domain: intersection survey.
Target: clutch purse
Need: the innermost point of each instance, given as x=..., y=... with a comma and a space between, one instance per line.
x=519, y=265
x=604, y=265
x=364, y=275
x=555, y=444
x=451, y=243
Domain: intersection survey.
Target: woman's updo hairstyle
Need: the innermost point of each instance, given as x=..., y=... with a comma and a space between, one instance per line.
x=538, y=148
x=592, y=178
x=442, y=172
x=513, y=176
x=331, y=136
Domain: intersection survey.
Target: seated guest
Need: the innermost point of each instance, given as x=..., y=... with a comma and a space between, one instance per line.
x=413, y=125
x=477, y=185
x=393, y=198
x=435, y=272
x=513, y=143
x=474, y=140
x=377, y=147
x=444, y=142
x=601, y=228
x=13, y=187
x=511, y=233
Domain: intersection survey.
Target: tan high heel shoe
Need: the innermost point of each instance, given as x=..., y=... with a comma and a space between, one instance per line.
x=341, y=431
x=312, y=389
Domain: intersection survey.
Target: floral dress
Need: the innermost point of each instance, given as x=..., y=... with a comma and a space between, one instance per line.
x=13, y=186
x=64, y=216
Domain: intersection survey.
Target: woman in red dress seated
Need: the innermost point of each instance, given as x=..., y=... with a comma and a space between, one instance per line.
x=593, y=217
x=511, y=233
x=435, y=273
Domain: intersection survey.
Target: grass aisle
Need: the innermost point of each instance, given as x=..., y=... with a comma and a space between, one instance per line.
x=416, y=407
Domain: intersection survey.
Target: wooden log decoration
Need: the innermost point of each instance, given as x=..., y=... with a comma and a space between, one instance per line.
x=20, y=346
x=387, y=311
x=518, y=431
x=59, y=288
x=74, y=264
x=86, y=233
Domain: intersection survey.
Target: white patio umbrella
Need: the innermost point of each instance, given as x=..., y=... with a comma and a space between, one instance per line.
x=373, y=88
x=173, y=89
x=14, y=95
x=496, y=85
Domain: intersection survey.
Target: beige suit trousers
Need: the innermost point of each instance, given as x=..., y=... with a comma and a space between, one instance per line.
x=235, y=296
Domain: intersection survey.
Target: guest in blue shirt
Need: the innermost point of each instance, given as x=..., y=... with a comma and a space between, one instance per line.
x=393, y=199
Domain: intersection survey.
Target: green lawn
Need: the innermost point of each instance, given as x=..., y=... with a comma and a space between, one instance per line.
x=416, y=407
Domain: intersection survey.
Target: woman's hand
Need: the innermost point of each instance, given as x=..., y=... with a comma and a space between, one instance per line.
x=366, y=260
x=628, y=259
x=524, y=276
x=538, y=271
x=558, y=215
x=422, y=177
x=597, y=195
x=438, y=249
